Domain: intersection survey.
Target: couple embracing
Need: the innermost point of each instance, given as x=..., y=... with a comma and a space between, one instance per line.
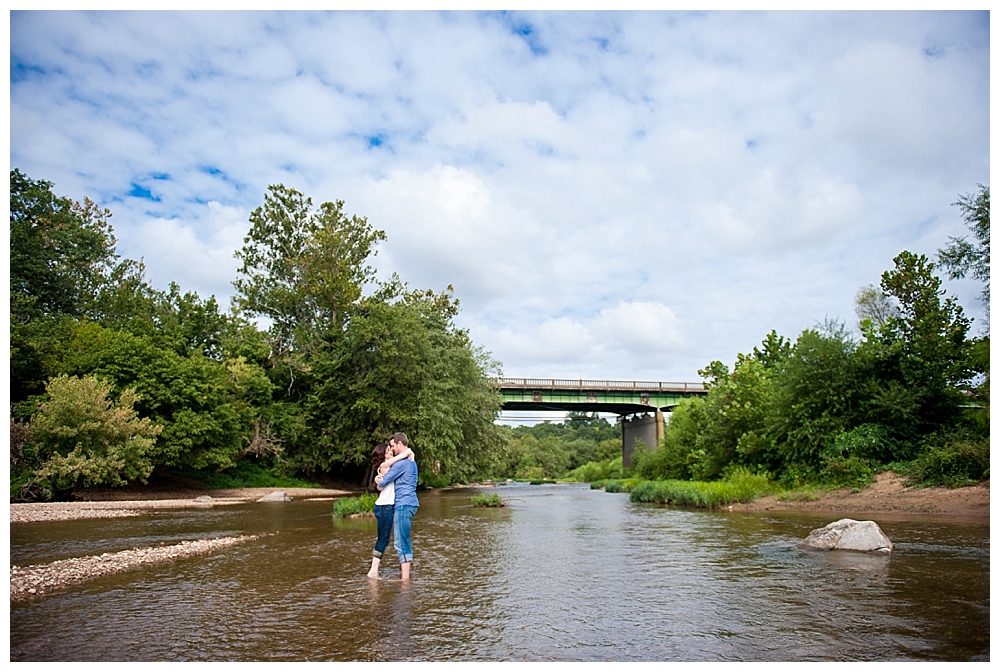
x=396, y=480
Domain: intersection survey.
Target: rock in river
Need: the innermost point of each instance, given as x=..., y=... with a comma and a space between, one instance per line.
x=849, y=535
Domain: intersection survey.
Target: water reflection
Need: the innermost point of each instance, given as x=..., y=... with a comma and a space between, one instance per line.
x=563, y=573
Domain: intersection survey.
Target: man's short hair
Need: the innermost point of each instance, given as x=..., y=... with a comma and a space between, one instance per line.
x=399, y=437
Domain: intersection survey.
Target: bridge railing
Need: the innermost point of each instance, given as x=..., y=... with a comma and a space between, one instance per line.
x=597, y=385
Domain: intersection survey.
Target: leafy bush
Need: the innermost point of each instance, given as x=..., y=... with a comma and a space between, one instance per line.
x=614, y=485
x=870, y=441
x=952, y=460
x=852, y=472
x=490, y=501
x=597, y=471
x=796, y=475
x=431, y=480
x=87, y=440
x=353, y=506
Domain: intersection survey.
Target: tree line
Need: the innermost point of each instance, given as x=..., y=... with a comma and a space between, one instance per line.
x=911, y=392
x=112, y=378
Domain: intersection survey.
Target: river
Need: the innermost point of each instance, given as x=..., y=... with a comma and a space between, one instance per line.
x=562, y=573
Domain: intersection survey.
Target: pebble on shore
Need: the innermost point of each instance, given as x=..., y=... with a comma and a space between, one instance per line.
x=26, y=582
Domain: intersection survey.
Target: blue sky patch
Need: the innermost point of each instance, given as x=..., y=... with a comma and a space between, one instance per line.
x=139, y=191
x=20, y=72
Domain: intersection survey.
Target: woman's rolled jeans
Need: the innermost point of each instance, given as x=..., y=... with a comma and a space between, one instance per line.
x=383, y=514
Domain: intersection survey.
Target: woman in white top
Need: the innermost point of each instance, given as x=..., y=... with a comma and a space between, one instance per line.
x=382, y=459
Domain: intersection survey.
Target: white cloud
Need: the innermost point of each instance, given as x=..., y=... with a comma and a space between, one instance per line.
x=617, y=194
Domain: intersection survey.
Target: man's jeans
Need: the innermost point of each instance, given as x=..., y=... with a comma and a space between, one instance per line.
x=401, y=521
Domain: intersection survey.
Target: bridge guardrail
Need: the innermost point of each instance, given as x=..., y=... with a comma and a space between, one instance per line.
x=597, y=385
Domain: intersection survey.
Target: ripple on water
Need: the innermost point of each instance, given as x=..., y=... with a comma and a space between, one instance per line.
x=563, y=573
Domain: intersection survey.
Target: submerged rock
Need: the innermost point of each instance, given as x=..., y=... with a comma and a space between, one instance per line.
x=275, y=497
x=849, y=535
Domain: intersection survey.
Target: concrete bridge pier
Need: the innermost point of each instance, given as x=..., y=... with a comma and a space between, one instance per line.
x=642, y=427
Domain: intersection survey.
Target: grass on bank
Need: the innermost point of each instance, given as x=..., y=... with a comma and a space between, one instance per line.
x=352, y=506
x=741, y=486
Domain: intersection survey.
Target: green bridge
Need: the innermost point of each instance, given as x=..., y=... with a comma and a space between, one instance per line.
x=639, y=404
x=624, y=397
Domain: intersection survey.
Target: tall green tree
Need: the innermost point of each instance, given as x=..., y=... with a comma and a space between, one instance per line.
x=61, y=251
x=401, y=365
x=302, y=267
x=963, y=257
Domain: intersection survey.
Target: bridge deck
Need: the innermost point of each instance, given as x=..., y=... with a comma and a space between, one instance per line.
x=623, y=397
x=598, y=385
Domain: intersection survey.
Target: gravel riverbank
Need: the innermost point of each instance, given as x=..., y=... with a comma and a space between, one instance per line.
x=26, y=582
x=112, y=504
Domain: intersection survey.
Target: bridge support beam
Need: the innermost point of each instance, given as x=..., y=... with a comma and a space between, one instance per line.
x=645, y=428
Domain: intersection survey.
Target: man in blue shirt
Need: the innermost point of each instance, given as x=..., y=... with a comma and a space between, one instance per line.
x=404, y=474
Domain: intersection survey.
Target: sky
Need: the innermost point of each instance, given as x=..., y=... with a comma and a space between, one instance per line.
x=612, y=195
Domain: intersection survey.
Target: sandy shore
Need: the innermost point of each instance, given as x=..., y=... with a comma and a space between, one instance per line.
x=888, y=495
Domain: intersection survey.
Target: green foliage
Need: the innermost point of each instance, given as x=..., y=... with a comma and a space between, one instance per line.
x=486, y=501
x=597, y=471
x=354, y=506
x=247, y=473
x=952, y=459
x=557, y=450
x=740, y=486
x=403, y=366
x=211, y=411
x=960, y=256
x=621, y=484
x=86, y=439
x=60, y=250
x=432, y=480
x=813, y=396
x=337, y=372
x=303, y=267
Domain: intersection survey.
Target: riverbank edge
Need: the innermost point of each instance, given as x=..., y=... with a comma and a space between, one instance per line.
x=889, y=494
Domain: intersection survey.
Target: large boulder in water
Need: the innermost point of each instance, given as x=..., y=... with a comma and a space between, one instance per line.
x=849, y=535
x=275, y=497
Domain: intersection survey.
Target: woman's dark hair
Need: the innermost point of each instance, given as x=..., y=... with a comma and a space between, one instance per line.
x=378, y=455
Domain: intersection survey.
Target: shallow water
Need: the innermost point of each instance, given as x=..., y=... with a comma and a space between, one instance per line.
x=563, y=573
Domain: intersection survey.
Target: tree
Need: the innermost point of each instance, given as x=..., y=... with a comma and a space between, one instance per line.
x=401, y=365
x=87, y=439
x=814, y=396
x=209, y=410
x=303, y=267
x=960, y=256
x=914, y=364
x=874, y=307
x=60, y=251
